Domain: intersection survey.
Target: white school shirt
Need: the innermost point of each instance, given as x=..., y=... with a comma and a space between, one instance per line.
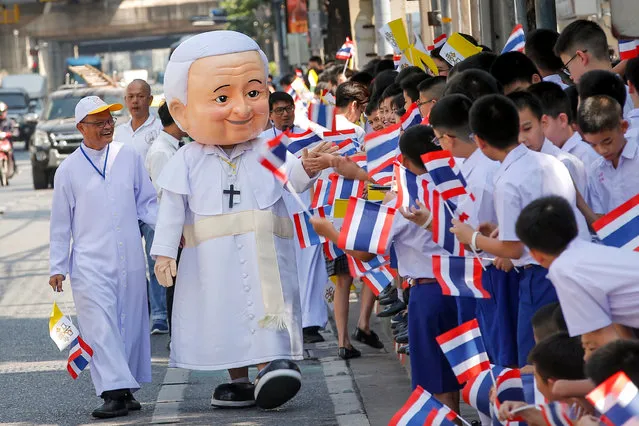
x=523, y=177
x=609, y=187
x=142, y=138
x=581, y=149
x=628, y=105
x=555, y=78
x=160, y=152
x=479, y=172
x=574, y=165
x=597, y=286
x=633, y=121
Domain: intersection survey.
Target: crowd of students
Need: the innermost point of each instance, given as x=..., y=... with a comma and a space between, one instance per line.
x=546, y=141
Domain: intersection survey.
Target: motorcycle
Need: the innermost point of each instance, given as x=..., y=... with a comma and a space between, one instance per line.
x=7, y=165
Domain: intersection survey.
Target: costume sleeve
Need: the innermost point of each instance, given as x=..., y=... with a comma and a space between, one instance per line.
x=145, y=195
x=168, y=231
x=62, y=209
x=297, y=176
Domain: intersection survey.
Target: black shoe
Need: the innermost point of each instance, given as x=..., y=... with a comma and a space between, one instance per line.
x=348, y=353
x=233, y=395
x=277, y=383
x=386, y=292
x=113, y=406
x=402, y=338
x=404, y=349
x=311, y=335
x=400, y=329
x=391, y=310
x=132, y=404
x=401, y=324
x=371, y=339
x=388, y=300
x=399, y=318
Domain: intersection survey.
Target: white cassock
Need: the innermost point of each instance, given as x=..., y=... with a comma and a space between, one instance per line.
x=236, y=299
x=106, y=265
x=311, y=265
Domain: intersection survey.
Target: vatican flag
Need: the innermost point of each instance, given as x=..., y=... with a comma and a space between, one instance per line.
x=61, y=329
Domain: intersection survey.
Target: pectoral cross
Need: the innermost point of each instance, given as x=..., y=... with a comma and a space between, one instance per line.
x=231, y=192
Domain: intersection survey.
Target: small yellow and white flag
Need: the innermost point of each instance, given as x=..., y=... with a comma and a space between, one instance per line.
x=457, y=48
x=61, y=329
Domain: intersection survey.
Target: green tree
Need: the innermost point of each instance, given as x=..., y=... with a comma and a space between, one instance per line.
x=251, y=17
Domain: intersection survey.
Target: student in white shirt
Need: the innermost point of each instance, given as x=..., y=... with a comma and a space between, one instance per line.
x=539, y=44
x=632, y=78
x=514, y=71
x=596, y=284
x=523, y=176
x=350, y=100
x=614, y=177
x=431, y=313
x=142, y=129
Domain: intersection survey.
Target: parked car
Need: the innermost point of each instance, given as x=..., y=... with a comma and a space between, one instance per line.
x=56, y=135
x=36, y=87
x=20, y=110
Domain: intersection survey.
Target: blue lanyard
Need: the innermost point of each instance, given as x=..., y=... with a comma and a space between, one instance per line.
x=106, y=158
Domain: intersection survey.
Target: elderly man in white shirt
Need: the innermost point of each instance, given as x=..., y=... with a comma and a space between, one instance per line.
x=140, y=132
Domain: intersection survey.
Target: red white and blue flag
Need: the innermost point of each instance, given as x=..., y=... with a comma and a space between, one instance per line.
x=79, y=357
x=416, y=409
x=465, y=351
x=382, y=149
x=367, y=226
x=293, y=94
x=344, y=189
x=443, y=416
x=345, y=140
x=445, y=174
x=509, y=386
x=322, y=114
x=411, y=117
x=359, y=268
x=297, y=142
x=628, y=49
x=410, y=187
x=360, y=159
x=442, y=222
x=331, y=251
x=617, y=399
x=438, y=42
x=476, y=391
x=306, y=235
x=378, y=279
x=321, y=191
x=273, y=157
x=459, y=276
x=620, y=227
x=516, y=41
x=557, y=414
x=346, y=51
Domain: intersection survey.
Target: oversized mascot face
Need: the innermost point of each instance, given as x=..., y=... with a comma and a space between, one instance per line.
x=227, y=99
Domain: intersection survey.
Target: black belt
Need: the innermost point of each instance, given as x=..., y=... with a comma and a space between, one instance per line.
x=421, y=281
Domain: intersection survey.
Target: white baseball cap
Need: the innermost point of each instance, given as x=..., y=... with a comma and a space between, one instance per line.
x=90, y=105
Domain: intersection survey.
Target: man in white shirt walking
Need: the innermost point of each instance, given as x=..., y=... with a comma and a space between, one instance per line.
x=140, y=132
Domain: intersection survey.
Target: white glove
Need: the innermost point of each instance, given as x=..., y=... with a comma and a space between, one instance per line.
x=165, y=269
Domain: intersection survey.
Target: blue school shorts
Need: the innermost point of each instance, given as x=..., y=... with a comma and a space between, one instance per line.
x=430, y=314
x=466, y=309
x=528, y=382
x=535, y=291
x=393, y=257
x=497, y=316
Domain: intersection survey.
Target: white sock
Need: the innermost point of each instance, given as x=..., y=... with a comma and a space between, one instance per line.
x=400, y=295
x=241, y=380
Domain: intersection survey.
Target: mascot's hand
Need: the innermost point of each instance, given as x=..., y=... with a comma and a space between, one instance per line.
x=165, y=269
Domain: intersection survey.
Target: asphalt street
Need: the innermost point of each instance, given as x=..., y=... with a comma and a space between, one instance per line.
x=35, y=387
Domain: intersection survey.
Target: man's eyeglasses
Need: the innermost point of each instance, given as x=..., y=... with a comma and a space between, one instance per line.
x=282, y=110
x=425, y=102
x=101, y=124
x=565, y=67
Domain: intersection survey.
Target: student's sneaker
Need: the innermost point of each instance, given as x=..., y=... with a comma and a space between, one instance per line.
x=404, y=349
x=399, y=319
x=160, y=327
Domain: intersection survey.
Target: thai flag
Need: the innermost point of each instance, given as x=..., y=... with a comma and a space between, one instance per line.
x=411, y=117
x=556, y=414
x=465, y=351
x=476, y=391
x=396, y=60
x=273, y=157
x=410, y=187
x=442, y=222
x=331, y=251
x=620, y=227
x=459, y=276
x=321, y=191
x=293, y=94
x=367, y=226
x=416, y=409
x=344, y=189
x=346, y=51
x=360, y=159
x=378, y=279
x=297, y=142
x=327, y=97
x=618, y=399
x=382, y=149
x=438, y=42
x=445, y=174
x=79, y=357
x=443, y=416
x=306, y=235
x=509, y=386
x=516, y=41
x=322, y=114
x=359, y=268
x=628, y=49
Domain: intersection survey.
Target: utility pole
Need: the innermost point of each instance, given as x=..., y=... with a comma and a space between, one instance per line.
x=280, y=29
x=545, y=14
x=382, y=11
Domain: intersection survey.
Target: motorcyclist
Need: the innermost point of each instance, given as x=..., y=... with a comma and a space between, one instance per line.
x=7, y=125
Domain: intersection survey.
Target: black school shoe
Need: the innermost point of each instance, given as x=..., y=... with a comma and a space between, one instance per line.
x=114, y=405
x=371, y=339
x=277, y=384
x=132, y=404
x=392, y=309
x=386, y=291
x=233, y=395
x=312, y=335
x=348, y=353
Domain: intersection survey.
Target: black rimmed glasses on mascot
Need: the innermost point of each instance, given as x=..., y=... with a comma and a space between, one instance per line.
x=101, y=124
